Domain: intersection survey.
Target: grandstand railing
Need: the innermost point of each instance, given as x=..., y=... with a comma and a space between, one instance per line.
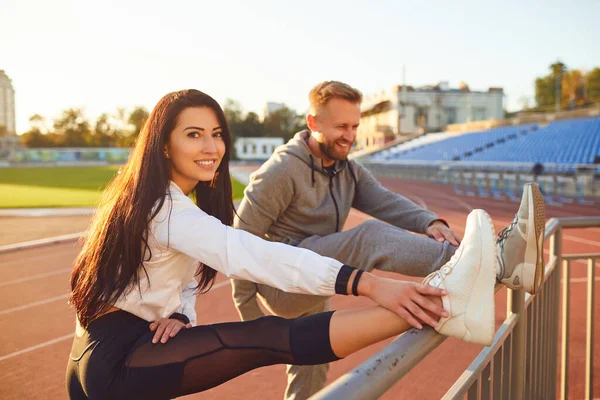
x=574, y=180
x=526, y=348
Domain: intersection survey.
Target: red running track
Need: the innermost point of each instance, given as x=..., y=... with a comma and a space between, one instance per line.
x=37, y=323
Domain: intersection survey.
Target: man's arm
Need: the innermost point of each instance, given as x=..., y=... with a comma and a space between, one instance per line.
x=373, y=199
x=244, y=298
x=266, y=197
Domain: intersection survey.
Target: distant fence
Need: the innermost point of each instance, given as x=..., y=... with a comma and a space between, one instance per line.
x=64, y=156
x=561, y=183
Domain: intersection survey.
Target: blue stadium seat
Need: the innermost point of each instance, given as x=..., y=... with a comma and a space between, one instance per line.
x=562, y=142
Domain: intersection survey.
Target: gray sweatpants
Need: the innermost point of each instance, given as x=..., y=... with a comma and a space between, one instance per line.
x=371, y=245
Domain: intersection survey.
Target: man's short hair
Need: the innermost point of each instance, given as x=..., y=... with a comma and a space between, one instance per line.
x=325, y=91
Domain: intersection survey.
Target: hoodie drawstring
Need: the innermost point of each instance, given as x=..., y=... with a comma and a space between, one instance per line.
x=312, y=170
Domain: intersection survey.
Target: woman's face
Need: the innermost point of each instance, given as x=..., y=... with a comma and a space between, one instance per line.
x=195, y=148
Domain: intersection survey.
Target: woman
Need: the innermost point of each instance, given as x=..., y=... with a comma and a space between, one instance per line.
x=150, y=249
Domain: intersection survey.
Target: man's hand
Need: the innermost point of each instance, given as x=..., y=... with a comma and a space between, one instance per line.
x=440, y=232
x=166, y=328
x=407, y=299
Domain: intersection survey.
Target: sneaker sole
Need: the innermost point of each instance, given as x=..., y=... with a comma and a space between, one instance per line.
x=533, y=267
x=480, y=310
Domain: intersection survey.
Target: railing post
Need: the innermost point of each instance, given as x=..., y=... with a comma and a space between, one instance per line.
x=589, y=332
x=564, y=346
x=516, y=305
x=556, y=251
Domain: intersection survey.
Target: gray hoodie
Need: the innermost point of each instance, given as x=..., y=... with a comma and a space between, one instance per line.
x=292, y=197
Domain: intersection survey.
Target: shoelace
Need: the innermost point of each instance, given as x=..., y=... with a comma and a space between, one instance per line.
x=442, y=272
x=502, y=235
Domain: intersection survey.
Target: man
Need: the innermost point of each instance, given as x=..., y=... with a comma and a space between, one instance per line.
x=302, y=196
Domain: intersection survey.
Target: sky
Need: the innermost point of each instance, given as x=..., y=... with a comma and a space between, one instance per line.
x=102, y=55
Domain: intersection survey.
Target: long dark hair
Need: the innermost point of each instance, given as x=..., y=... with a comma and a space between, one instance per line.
x=113, y=251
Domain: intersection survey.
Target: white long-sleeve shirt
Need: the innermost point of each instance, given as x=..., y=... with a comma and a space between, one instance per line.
x=181, y=235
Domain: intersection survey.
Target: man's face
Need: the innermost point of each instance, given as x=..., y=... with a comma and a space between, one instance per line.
x=335, y=128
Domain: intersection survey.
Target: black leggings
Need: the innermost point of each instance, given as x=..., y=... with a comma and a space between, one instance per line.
x=116, y=359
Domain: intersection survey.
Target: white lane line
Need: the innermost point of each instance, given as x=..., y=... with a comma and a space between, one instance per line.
x=34, y=277
x=581, y=280
x=580, y=240
x=584, y=262
x=45, y=257
x=65, y=296
x=221, y=284
x=461, y=202
x=41, y=242
x=224, y=283
x=34, y=304
x=37, y=346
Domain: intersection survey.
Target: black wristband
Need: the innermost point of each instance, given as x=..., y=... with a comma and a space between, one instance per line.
x=341, y=282
x=182, y=317
x=355, y=283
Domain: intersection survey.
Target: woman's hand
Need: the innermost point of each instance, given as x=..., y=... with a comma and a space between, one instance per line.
x=407, y=299
x=166, y=328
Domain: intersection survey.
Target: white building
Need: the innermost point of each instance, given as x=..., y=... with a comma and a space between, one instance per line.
x=256, y=148
x=271, y=107
x=7, y=104
x=409, y=110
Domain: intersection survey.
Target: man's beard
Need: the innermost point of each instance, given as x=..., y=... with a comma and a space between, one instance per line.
x=329, y=150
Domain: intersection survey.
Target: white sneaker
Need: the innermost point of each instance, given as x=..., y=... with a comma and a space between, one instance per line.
x=469, y=277
x=521, y=244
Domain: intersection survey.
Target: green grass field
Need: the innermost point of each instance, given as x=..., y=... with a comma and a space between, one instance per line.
x=60, y=186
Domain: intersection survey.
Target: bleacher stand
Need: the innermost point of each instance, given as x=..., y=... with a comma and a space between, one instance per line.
x=563, y=156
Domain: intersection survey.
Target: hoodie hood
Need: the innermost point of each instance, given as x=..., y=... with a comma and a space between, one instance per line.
x=298, y=148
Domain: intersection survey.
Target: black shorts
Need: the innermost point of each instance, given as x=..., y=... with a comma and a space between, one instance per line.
x=116, y=359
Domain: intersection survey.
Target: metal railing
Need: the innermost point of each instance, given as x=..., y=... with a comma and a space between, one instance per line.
x=526, y=347
x=556, y=179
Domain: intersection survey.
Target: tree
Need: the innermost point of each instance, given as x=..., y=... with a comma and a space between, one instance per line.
x=129, y=125
x=558, y=68
x=120, y=121
x=283, y=123
x=572, y=89
x=576, y=88
x=544, y=91
x=235, y=118
x=104, y=132
x=251, y=126
x=37, y=121
x=73, y=129
x=137, y=119
x=38, y=134
x=233, y=112
x=592, y=84
x=545, y=87
x=33, y=138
